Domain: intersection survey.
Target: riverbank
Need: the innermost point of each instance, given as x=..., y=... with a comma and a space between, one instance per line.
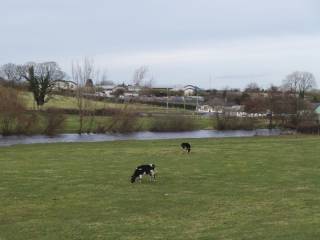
x=61, y=115
x=37, y=121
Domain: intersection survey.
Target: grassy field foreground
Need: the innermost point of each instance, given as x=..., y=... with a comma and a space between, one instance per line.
x=248, y=188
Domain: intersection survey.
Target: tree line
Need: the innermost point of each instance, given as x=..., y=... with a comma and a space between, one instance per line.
x=289, y=99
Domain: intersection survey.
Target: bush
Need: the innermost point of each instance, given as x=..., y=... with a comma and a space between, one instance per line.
x=305, y=122
x=11, y=108
x=28, y=124
x=226, y=122
x=308, y=127
x=125, y=121
x=96, y=112
x=54, y=123
x=101, y=128
x=173, y=123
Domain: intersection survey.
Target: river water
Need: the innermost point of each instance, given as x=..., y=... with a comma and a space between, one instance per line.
x=13, y=140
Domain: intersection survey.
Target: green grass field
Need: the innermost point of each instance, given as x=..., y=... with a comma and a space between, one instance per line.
x=237, y=188
x=58, y=101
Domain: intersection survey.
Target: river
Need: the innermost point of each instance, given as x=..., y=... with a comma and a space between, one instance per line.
x=13, y=140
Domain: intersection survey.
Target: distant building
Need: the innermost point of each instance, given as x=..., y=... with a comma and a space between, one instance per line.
x=190, y=90
x=133, y=88
x=131, y=94
x=107, y=87
x=234, y=110
x=317, y=109
x=65, y=85
x=104, y=91
x=119, y=87
x=205, y=109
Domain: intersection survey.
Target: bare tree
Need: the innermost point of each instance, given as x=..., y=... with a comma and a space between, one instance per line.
x=255, y=104
x=81, y=73
x=252, y=87
x=299, y=82
x=139, y=75
x=11, y=72
x=149, y=83
x=103, y=78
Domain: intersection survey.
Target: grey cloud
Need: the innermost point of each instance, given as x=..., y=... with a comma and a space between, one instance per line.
x=60, y=30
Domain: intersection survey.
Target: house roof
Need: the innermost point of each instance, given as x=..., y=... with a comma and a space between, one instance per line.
x=191, y=87
x=107, y=86
x=66, y=81
x=316, y=107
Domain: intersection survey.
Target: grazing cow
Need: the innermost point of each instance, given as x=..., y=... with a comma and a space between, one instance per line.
x=186, y=146
x=143, y=170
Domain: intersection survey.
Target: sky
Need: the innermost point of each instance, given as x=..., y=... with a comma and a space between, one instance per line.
x=208, y=43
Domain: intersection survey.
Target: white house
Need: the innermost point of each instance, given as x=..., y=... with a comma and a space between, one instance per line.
x=133, y=88
x=65, y=85
x=131, y=94
x=205, y=109
x=190, y=90
x=107, y=87
x=106, y=91
x=235, y=111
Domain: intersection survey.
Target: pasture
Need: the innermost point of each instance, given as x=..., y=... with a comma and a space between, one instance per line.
x=58, y=101
x=237, y=188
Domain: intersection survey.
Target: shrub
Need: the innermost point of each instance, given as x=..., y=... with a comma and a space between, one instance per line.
x=101, y=128
x=173, y=123
x=11, y=108
x=54, y=122
x=305, y=122
x=226, y=122
x=28, y=123
x=96, y=112
x=308, y=127
x=125, y=121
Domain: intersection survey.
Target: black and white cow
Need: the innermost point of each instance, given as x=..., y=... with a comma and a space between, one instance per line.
x=148, y=169
x=186, y=146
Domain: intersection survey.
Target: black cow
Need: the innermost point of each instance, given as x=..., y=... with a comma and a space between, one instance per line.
x=186, y=146
x=141, y=170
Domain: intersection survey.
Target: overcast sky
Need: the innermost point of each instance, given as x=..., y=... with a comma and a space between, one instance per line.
x=231, y=42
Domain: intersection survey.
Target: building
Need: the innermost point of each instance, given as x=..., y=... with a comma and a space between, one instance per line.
x=134, y=88
x=65, y=85
x=190, y=90
x=234, y=110
x=205, y=109
x=316, y=110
